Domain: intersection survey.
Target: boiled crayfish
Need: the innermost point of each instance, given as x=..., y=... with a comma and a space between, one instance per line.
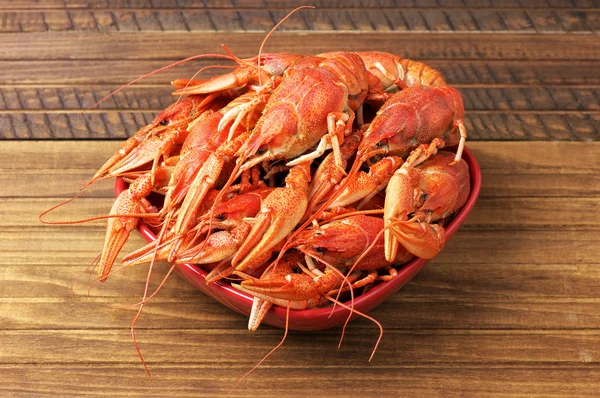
x=273, y=177
x=282, y=175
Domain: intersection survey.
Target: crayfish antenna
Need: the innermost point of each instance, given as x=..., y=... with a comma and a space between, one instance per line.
x=287, y=319
x=89, y=268
x=358, y=260
x=200, y=56
x=95, y=218
x=345, y=280
x=145, y=300
x=269, y=35
x=151, y=296
x=352, y=310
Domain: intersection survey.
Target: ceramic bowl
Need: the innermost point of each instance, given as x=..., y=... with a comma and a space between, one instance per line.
x=319, y=318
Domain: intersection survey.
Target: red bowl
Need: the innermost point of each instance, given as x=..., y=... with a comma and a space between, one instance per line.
x=319, y=318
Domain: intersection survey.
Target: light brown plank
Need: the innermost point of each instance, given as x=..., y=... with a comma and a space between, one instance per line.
x=199, y=380
x=55, y=276
x=472, y=246
x=490, y=212
x=398, y=348
x=553, y=158
x=64, y=45
x=401, y=311
x=503, y=177
x=440, y=280
x=496, y=158
x=509, y=169
x=53, y=183
x=65, y=184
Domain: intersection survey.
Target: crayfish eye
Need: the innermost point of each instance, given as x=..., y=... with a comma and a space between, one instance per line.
x=424, y=197
x=164, y=122
x=221, y=217
x=382, y=143
x=320, y=249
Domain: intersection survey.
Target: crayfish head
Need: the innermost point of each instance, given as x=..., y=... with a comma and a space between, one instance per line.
x=389, y=128
x=336, y=243
x=240, y=206
x=445, y=187
x=180, y=111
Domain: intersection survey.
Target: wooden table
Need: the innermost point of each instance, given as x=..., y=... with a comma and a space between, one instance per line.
x=510, y=308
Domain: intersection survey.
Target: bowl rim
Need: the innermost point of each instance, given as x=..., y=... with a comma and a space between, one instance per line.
x=324, y=317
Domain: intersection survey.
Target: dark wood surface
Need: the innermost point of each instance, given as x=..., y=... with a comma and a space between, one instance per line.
x=510, y=308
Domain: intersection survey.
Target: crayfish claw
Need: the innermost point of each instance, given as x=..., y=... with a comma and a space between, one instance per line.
x=128, y=204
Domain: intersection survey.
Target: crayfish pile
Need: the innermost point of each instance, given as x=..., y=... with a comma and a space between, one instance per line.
x=296, y=177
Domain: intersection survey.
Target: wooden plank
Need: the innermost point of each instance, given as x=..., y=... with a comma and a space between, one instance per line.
x=485, y=73
x=490, y=212
x=441, y=19
x=126, y=45
x=492, y=113
x=50, y=269
x=471, y=246
x=481, y=125
x=398, y=349
x=58, y=184
x=155, y=98
x=290, y=4
x=73, y=125
x=541, y=185
x=509, y=169
x=554, y=158
x=401, y=312
x=200, y=380
x=50, y=272
x=441, y=280
x=531, y=212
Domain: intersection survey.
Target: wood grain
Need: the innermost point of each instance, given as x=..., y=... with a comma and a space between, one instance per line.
x=491, y=212
x=201, y=313
x=510, y=308
x=469, y=347
x=194, y=380
x=57, y=276
x=515, y=113
x=481, y=125
x=288, y=4
x=578, y=245
x=509, y=169
x=175, y=46
x=154, y=98
x=476, y=72
x=442, y=19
